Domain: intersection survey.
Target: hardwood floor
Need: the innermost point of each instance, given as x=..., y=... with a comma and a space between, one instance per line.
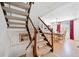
x=68, y=48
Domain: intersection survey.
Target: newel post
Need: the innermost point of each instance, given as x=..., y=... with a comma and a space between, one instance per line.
x=35, y=44
x=52, y=40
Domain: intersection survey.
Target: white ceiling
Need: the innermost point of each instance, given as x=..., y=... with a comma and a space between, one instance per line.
x=67, y=12
x=43, y=8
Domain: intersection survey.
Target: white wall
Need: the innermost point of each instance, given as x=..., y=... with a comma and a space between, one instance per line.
x=66, y=27
x=63, y=26
x=4, y=40
x=17, y=48
x=76, y=29
x=54, y=25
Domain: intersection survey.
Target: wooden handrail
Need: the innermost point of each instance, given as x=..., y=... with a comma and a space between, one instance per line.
x=30, y=3
x=52, y=41
x=44, y=24
x=45, y=37
x=29, y=44
x=27, y=21
x=33, y=24
x=50, y=31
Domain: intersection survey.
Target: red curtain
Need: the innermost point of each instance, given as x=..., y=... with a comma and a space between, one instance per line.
x=72, y=29
x=58, y=28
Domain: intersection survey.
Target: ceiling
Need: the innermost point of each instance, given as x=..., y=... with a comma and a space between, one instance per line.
x=43, y=8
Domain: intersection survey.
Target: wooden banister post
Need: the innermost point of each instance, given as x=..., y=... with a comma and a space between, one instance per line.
x=52, y=41
x=35, y=44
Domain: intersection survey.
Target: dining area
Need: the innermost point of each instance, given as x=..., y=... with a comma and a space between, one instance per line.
x=59, y=36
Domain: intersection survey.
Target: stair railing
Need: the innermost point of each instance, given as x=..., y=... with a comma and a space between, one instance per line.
x=2, y=4
x=34, y=36
x=33, y=33
x=27, y=21
x=51, y=33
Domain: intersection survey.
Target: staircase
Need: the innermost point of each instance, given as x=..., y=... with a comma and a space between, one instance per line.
x=17, y=16
x=43, y=45
x=43, y=42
